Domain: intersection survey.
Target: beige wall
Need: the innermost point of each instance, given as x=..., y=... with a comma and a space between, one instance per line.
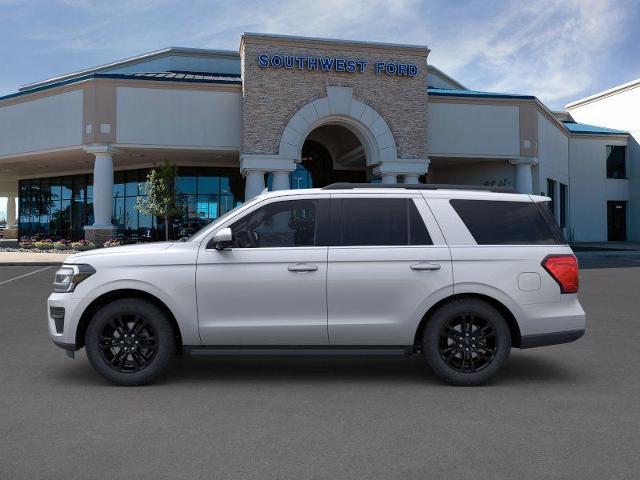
x=49, y=122
x=467, y=129
x=175, y=117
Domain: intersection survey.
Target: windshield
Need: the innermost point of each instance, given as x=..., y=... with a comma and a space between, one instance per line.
x=199, y=233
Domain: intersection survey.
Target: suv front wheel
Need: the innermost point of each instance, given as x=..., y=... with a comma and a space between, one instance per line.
x=466, y=342
x=130, y=341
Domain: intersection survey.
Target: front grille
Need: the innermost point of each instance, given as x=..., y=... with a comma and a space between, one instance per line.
x=57, y=313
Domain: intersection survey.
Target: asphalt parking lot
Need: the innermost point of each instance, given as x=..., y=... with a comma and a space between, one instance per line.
x=568, y=411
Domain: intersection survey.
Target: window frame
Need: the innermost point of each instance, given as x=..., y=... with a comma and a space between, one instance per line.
x=337, y=212
x=322, y=221
x=609, y=167
x=545, y=214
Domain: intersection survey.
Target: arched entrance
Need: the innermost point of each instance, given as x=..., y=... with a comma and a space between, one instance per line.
x=331, y=154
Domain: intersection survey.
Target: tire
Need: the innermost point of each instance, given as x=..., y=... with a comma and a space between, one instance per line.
x=466, y=342
x=130, y=341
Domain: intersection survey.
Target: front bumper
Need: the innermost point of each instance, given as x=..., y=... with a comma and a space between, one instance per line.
x=64, y=337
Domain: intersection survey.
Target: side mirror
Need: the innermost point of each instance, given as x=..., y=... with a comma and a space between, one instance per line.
x=221, y=240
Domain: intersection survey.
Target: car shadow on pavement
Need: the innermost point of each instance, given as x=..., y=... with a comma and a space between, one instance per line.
x=520, y=369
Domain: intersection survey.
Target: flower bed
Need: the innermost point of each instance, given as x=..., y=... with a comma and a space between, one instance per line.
x=34, y=244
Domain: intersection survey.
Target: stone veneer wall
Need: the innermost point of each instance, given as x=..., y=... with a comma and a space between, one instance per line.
x=271, y=96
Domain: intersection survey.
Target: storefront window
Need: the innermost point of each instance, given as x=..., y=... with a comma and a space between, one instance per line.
x=60, y=207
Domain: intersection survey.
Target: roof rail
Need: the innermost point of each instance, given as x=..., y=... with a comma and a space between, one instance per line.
x=418, y=186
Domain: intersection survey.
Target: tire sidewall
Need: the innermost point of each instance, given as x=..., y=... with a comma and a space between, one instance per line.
x=160, y=324
x=432, y=334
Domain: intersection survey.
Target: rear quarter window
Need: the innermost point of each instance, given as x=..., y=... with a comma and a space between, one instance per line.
x=492, y=222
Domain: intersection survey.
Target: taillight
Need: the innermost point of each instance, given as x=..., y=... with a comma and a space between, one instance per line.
x=564, y=270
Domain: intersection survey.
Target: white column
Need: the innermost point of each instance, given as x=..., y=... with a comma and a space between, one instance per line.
x=280, y=181
x=11, y=212
x=254, y=184
x=103, y=189
x=411, y=179
x=389, y=178
x=524, y=175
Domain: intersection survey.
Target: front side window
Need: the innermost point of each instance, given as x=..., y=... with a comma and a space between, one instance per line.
x=616, y=164
x=291, y=223
x=381, y=221
x=508, y=223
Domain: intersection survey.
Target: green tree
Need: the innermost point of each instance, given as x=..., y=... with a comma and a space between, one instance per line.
x=161, y=197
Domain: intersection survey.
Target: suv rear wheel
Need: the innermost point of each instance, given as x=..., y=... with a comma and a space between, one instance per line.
x=466, y=342
x=130, y=341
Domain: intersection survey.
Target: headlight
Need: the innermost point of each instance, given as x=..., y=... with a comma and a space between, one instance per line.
x=69, y=276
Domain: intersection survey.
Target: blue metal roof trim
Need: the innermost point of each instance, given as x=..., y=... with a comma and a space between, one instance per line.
x=444, y=92
x=227, y=79
x=585, y=128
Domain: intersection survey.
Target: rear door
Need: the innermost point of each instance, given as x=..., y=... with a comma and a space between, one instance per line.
x=388, y=263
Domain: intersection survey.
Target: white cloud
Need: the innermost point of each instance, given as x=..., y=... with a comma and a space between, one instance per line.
x=546, y=48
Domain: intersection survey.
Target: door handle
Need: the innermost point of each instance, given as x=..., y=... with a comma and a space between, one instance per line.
x=425, y=266
x=302, y=267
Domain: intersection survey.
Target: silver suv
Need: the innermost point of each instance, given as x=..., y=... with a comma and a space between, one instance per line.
x=457, y=274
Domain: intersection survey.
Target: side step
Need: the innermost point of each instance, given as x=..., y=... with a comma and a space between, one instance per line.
x=299, y=350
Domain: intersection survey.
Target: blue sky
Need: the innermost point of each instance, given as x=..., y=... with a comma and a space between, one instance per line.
x=556, y=50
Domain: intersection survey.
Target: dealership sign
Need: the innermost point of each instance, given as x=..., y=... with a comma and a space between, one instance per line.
x=335, y=64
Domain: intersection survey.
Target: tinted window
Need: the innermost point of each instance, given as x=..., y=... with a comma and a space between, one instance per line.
x=281, y=224
x=616, y=167
x=508, y=223
x=381, y=221
x=551, y=193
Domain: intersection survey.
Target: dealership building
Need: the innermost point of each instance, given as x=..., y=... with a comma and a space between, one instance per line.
x=290, y=112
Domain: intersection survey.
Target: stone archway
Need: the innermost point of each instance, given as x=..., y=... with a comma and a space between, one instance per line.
x=340, y=108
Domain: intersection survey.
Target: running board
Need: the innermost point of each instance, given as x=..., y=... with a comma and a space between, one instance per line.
x=299, y=350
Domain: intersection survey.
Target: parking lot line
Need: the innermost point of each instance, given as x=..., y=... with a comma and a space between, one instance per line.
x=24, y=275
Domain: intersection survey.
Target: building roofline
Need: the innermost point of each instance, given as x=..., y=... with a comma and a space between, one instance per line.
x=132, y=61
x=597, y=131
x=588, y=129
x=448, y=78
x=605, y=93
x=115, y=76
x=445, y=92
x=417, y=49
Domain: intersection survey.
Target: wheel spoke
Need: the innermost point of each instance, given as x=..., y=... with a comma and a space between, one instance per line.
x=128, y=343
x=467, y=343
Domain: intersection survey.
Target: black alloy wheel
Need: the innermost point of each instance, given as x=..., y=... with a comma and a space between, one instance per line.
x=128, y=343
x=468, y=343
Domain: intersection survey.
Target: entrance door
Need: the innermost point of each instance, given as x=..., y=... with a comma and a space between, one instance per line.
x=617, y=221
x=317, y=161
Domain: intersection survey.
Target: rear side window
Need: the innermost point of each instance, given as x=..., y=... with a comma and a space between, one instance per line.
x=508, y=223
x=381, y=221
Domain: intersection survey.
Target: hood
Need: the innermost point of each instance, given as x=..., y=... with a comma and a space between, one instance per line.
x=140, y=248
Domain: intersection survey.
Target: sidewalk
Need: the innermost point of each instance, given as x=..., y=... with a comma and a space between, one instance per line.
x=31, y=258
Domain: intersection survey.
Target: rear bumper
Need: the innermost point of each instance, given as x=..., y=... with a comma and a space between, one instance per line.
x=556, y=338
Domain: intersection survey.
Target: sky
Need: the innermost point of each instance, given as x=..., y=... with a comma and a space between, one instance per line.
x=557, y=50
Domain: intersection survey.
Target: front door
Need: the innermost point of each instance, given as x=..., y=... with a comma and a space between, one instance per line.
x=270, y=287
x=617, y=221
x=385, y=268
